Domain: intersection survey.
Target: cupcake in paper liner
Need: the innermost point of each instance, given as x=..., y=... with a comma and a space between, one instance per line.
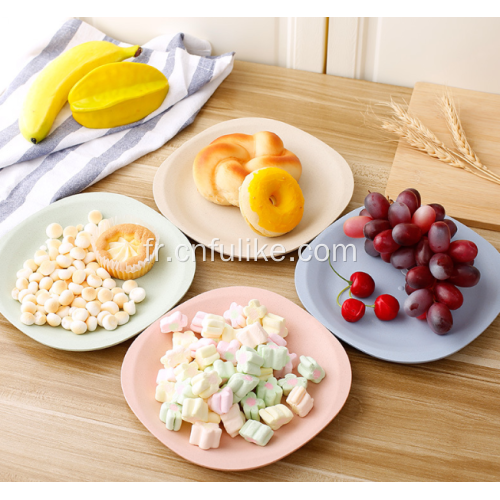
x=126, y=249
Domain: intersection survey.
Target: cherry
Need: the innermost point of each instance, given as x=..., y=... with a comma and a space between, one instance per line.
x=386, y=307
x=362, y=284
x=353, y=310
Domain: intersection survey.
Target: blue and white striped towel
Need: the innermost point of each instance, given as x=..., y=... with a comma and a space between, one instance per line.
x=73, y=157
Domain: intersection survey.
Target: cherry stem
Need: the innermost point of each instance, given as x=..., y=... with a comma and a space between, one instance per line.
x=341, y=277
x=370, y=306
x=340, y=293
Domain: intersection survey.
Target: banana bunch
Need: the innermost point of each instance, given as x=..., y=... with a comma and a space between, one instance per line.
x=49, y=92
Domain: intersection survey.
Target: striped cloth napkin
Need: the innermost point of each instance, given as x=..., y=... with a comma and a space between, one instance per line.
x=73, y=157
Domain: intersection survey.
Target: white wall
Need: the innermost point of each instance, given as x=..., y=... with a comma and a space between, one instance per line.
x=459, y=52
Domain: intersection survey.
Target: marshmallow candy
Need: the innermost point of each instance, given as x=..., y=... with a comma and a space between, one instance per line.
x=227, y=350
x=292, y=362
x=300, y=401
x=221, y=401
x=277, y=339
x=276, y=416
x=166, y=375
x=249, y=361
x=233, y=420
x=235, y=316
x=174, y=322
x=273, y=323
x=194, y=410
x=176, y=356
x=196, y=324
x=164, y=391
x=186, y=370
x=225, y=370
x=199, y=344
x=205, y=356
x=251, y=405
x=205, y=384
x=212, y=326
x=254, y=312
x=269, y=391
x=290, y=381
x=252, y=335
x=185, y=339
x=171, y=416
x=310, y=369
x=205, y=435
x=265, y=373
x=256, y=432
x=274, y=356
x=241, y=385
x=182, y=391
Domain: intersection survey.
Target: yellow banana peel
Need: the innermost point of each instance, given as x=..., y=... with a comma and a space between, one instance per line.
x=49, y=92
x=117, y=94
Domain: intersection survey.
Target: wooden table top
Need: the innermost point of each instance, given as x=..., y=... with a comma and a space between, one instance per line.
x=63, y=416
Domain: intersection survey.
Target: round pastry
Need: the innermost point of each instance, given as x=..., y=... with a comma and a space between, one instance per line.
x=220, y=168
x=271, y=202
x=126, y=251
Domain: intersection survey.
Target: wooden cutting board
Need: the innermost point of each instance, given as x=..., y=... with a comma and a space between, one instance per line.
x=466, y=197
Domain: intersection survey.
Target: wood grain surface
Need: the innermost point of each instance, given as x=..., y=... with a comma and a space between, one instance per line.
x=467, y=197
x=63, y=416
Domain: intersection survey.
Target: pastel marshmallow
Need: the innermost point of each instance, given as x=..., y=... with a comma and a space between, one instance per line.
x=227, y=350
x=252, y=335
x=194, y=410
x=256, y=432
x=205, y=435
x=205, y=384
x=225, y=369
x=310, y=369
x=235, y=316
x=182, y=391
x=221, y=401
x=233, y=420
x=185, y=339
x=199, y=344
x=292, y=362
x=249, y=361
x=251, y=405
x=269, y=391
x=212, y=326
x=165, y=375
x=196, y=324
x=213, y=417
x=300, y=401
x=229, y=333
x=273, y=323
x=171, y=416
x=276, y=416
x=254, y=312
x=274, y=356
x=265, y=373
x=176, y=356
x=164, y=391
x=206, y=355
x=241, y=385
x=174, y=322
x=277, y=339
x=290, y=382
x=186, y=370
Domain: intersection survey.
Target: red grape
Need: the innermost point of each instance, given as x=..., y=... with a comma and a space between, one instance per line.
x=449, y=294
x=377, y=205
x=439, y=209
x=424, y=217
x=406, y=234
x=465, y=276
x=439, y=318
x=410, y=199
x=386, y=257
x=362, y=284
x=365, y=213
x=386, y=307
x=423, y=252
x=423, y=317
x=441, y=266
x=408, y=289
x=418, y=302
x=370, y=250
x=403, y=258
x=439, y=237
x=398, y=213
x=384, y=242
x=353, y=227
x=353, y=310
x=462, y=251
x=420, y=277
x=416, y=193
x=374, y=227
x=451, y=226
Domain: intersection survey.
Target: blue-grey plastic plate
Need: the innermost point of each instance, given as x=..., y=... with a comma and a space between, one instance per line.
x=404, y=339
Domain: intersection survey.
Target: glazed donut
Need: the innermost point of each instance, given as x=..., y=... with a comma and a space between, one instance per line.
x=220, y=168
x=271, y=201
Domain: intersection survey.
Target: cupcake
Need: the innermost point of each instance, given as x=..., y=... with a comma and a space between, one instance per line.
x=126, y=251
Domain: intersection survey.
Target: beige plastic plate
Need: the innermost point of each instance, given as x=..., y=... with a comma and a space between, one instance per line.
x=165, y=284
x=327, y=184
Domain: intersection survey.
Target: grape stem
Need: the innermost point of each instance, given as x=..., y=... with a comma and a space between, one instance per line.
x=340, y=293
x=341, y=277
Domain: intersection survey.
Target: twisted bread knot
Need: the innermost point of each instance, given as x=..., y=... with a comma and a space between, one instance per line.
x=220, y=168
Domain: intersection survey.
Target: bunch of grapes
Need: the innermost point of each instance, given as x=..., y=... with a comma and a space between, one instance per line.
x=417, y=238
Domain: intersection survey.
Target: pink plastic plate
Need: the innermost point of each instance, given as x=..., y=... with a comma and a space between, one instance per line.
x=307, y=336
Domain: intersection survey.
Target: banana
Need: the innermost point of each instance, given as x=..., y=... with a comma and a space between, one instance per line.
x=49, y=92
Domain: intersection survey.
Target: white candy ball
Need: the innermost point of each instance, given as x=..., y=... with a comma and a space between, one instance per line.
x=64, y=261
x=46, y=283
x=70, y=231
x=82, y=240
x=122, y=317
x=76, y=288
x=120, y=299
x=51, y=305
x=78, y=302
x=94, y=280
x=54, y=230
x=66, y=322
x=137, y=294
x=110, y=322
x=22, y=284
x=22, y=294
x=102, y=273
x=28, y=318
x=63, y=311
x=40, y=256
x=79, y=277
x=89, y=258
x=28, y=307
x=109, y=283
x=47, y=267
x=53, y=319
x=89, y=294
x=91, y=323
x=33, y=287
x=40, y=319
x=30, y=265
x=129, y=285
x=129, y=307
x=29, y=297
x=104, y=295
x=15, y=293
x=101, y=316
x=80, y=314
x=79, y=266
x=110, y=306
x=42, y=297
x=78, y=253
x=94, y=307
x=66, y=297
x=24, y=273
x=78, y=327
x=65, y=274
x=58, y=287
x=95, y=217
x=35, y=277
